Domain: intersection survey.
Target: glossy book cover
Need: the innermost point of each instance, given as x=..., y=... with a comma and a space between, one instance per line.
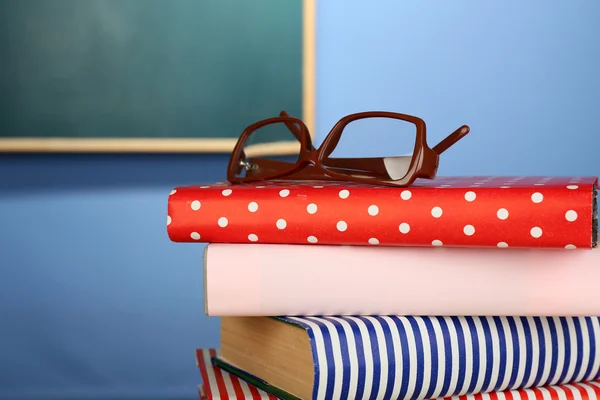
x=282, y=279
x=218, y=384
x=520, y=211
x=390, y=357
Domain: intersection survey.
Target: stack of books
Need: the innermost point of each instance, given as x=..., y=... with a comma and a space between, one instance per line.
x=458, y=287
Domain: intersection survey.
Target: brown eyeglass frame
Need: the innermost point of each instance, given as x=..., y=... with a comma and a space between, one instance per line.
x=313, y=164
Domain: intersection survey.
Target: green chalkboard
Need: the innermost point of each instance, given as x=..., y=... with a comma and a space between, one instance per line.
x=151, y=75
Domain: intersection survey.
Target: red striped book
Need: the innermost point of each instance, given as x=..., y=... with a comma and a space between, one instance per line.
x=217, y=384
x=531, y=212
x=220, y=385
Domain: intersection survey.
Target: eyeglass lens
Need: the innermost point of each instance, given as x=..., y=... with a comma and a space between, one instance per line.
x=389, y=139
x=261, y=148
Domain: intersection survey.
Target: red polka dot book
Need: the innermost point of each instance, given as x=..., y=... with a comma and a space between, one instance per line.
x=519, y=211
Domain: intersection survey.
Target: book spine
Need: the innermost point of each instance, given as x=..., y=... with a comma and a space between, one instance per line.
x=429, y=357
x=333, y=280
x=554, y=217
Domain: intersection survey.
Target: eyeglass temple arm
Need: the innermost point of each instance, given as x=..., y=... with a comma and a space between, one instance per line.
x=451, y=139
x=376, y=164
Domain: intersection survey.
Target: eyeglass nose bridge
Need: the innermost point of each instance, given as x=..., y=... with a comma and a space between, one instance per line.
x=309, y=157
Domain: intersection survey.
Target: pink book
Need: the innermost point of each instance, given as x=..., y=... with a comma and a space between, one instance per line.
x=273, y=279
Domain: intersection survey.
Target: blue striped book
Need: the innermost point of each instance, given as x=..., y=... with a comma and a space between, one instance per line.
x=393, y=357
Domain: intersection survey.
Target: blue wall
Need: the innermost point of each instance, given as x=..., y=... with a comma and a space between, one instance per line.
x=523, y=75
x=95, y=302
x=94, y=299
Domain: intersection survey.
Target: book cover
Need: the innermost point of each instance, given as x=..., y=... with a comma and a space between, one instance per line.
x=218, y=384
x=279, y=279
x=430, y=357
x=481, y=211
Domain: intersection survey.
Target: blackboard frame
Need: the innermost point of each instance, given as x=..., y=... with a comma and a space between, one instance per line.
x=188, y=145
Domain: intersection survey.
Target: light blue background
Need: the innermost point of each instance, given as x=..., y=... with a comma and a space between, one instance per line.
x=96, y=302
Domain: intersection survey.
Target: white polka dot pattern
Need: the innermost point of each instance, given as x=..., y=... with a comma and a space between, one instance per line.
x=502, y=213
x=571, y=215
x=281, y=223
x=252, y=206
x=404, y=227
x=373, y=210
x=469, y=230
x=537, y=197
x=470, y=196
x=499, y=212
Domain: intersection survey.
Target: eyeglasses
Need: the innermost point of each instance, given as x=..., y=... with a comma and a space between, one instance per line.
x=311, y=163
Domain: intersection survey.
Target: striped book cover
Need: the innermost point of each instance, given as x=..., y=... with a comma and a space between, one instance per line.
x=218, y=384
x=391, y=357
x=480, y=211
